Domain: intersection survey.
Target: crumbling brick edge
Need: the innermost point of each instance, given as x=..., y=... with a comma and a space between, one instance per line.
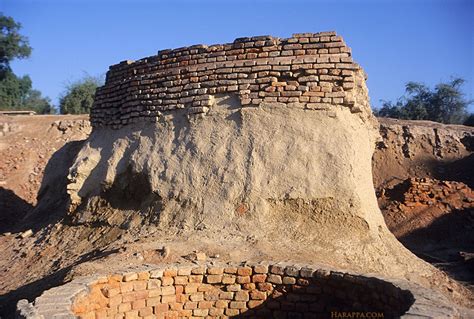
x=312, y=71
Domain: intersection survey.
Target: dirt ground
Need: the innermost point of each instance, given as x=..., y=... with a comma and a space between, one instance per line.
x=26, y=145
x=423, y=176
x=32, y=263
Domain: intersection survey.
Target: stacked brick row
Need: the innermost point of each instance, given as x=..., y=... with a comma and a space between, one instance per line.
x=425, y=191
x=308, y=70
x=254, y=291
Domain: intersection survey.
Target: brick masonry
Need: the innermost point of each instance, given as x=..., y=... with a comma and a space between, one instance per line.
x=309, y=70
x=261, y=290
x=429, y=192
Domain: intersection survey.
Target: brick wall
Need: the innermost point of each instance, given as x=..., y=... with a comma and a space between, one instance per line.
x=309, y=70
x=426, y=191
x=259, y=291
x=255, y=290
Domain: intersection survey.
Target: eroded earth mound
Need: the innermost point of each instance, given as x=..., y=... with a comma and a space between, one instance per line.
x=275, y=142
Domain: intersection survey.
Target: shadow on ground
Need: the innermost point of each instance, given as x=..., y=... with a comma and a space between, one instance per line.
x=459, y=171
x=12, y=209
x=442, y=242
x=34, y=289
x=16, y=215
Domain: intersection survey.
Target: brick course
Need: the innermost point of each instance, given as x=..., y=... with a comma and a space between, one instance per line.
x=313, y=72
x=262, y=291
x=312, y=292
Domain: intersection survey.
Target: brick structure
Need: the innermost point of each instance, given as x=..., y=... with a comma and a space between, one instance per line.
x=414, y=208
x=308, y=70
x=426, y=191
x=313, y=72
x=260, y=290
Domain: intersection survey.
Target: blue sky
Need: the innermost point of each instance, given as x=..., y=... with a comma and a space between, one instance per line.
x=395, y=41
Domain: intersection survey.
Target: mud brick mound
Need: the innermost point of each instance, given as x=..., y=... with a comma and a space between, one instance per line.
x=266, y=137
x=262, y=146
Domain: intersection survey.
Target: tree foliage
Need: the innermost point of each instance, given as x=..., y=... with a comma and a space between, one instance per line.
x=79, y=96
x=444, y=104
x=16, y=93
x=12, y=43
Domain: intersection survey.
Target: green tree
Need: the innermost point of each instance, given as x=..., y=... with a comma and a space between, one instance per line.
x=16, y=93
x=12, y=90
x=79, y=96
x=34, y=101
x=12, y=43
x=444, y=104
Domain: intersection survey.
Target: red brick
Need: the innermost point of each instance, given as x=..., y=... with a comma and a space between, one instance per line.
x=159, y=309
x=241, y=296
x=265, y=286
x=145, y=311
x=258, y=295
x=138, y=304
x=153, y=301
x=222, y=303
x=135, y=295
x=124, y=307
x=144, y=275
x=237, y=305
x=205, y=304
x=244, y=271
x=249, y=286
x=259, y=278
